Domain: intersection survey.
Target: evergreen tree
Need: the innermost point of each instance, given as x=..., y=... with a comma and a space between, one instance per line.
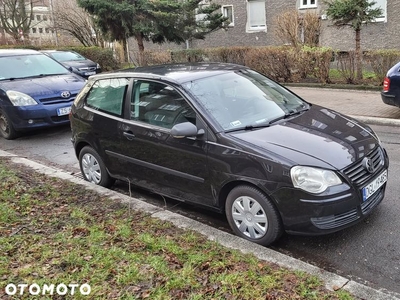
x=353, y=13
x=158, y=21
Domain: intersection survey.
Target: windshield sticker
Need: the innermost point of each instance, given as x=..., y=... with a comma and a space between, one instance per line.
x=236, y=123
x=261, y=121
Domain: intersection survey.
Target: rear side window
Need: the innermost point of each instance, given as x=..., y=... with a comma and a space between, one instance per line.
x=107, y=95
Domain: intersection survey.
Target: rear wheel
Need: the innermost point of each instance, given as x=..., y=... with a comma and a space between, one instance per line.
x=93, y=169
x=6, y=128
x=252, y=215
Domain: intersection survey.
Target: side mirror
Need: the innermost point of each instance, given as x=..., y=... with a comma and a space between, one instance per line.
x=185, y=129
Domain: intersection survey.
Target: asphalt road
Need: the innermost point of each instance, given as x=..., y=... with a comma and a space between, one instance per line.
x=368, y=252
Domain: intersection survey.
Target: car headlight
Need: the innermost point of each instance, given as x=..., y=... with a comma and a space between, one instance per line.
x=313, y=180
x=98, y=66
x=20, y=99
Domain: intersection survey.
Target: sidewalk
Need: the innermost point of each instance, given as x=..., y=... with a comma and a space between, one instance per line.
x=367, y=106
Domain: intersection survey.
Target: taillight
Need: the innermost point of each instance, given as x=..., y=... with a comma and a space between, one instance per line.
x=386, y=84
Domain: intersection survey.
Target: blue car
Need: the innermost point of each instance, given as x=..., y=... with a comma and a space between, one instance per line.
x=35, y=91
x=391, y=86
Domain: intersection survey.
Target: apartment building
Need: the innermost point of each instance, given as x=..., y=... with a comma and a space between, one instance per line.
x=253, y=23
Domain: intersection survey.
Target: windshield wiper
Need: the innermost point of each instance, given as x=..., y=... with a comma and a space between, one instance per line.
x=249, y=127
x=270, y=122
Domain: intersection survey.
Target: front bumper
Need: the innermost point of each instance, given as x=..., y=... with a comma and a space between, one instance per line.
x=337, y=208
x=36, y=116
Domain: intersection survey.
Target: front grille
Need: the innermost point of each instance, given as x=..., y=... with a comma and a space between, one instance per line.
x=334, y=221
x=87, y=69
x=56, y=100
x=358, y=174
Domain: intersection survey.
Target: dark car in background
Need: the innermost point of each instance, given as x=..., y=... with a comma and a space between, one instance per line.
x=228, y=138
x=391, y=86
x=35, y=91
x=75, y=62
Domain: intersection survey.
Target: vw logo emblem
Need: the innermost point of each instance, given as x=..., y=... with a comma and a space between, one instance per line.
x=65, y=94
x=368, y=165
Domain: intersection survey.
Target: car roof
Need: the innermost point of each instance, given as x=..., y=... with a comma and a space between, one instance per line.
x=180, y=73
x=14, y=52
x=53, y=50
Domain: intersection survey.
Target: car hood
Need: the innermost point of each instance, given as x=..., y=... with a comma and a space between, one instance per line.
x=80, y=64
x=318, y=134
x=45, y=86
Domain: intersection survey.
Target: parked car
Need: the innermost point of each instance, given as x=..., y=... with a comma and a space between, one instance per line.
x=35, y=91
x=391, y=86
x=228, y=138
x=75, y=62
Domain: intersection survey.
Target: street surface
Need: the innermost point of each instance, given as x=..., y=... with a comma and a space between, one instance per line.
x=368, y=252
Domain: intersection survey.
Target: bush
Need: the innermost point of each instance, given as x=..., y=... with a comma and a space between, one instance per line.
x=381, y=61
x=275, y=62
x=346, y=65
x=316, y=61
x=153, y=57
x=189, y=55
x=235, y=55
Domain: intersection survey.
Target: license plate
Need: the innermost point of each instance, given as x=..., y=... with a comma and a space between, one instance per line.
x=373, y=186
x=89, y=73
x=63, y=111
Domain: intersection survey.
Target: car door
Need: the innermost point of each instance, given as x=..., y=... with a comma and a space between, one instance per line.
x=151, y=157
x=103, y=113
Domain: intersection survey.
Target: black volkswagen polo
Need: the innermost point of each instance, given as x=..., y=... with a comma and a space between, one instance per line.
x=228, y=138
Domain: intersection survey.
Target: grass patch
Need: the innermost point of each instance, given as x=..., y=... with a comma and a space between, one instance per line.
x=53, y=232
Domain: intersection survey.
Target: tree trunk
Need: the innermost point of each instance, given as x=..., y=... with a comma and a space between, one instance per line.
x=139, y=39
x=358, y=55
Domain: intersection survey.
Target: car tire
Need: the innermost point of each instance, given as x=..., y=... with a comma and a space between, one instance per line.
x=6, y=128
x=252, y=215
x=93, y=169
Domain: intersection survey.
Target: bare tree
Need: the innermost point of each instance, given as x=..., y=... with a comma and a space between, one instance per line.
x=298, y=28
x=16, y=17
x=70, y=18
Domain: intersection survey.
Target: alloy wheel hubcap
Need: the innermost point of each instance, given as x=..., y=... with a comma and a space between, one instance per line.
x=91, y=168
x=249, y=217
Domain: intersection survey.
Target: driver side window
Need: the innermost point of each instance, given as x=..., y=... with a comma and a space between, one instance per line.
x=159, y=104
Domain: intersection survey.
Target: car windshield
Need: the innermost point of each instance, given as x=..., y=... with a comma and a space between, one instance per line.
x=25, y=66
x=244, y=99
x=66, y=56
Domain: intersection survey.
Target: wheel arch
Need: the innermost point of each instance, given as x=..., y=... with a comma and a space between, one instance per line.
x=223, y=193
x=79, y=146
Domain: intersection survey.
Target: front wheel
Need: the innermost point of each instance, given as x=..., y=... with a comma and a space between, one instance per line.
x=6, y=128
x=252, y=215
x=93, y=169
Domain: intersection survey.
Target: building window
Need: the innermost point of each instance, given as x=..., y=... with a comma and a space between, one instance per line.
x=382, y=4
x=256, y=20
x=227, y=12
x=47, y=30
x=44, y=18
x=40, y=30
x=308, y=3
x=33, y=30
x=38, y=17
x=201, y=17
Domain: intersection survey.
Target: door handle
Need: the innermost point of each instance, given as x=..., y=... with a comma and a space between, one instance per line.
x=129, y=135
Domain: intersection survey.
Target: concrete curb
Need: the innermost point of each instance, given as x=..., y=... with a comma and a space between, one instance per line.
x=377, y=121
x=332, y=281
